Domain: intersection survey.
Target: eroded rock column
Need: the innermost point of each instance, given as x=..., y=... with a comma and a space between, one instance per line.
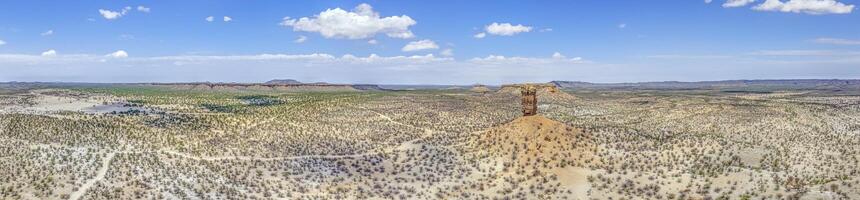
x=529, y=100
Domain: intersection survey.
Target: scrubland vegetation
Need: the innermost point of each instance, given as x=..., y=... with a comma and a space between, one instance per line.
x=441, y=144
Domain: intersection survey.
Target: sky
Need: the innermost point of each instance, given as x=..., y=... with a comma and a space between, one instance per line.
x=428, y=42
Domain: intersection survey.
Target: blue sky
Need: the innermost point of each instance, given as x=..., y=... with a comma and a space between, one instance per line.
x=428, y=42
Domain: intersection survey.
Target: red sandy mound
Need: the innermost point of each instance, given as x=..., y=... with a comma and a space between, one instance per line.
x=536, y=140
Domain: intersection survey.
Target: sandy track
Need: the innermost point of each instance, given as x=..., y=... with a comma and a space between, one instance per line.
x=99, y=176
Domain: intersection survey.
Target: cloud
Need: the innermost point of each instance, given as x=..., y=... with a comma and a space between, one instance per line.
x=763, y=54
x=143, y=9
x=372, y=41
x=301, y=39
x=125, y=37
x=814, y=7
x=417, y=69
x=258, y=57
x=111, y=15
x=447, y=52
x=480, y=35
x=227, y=18
x=420, y=45
x=360, y=23
x=118, y=54
x=506, y=29
x=621, y=26
x=837, y=41
x=736, y=3
x=49, y=53
x=2, y=42
x=373, y=58
x=545, y=30
x=688, y=57
x=210, y=19
x=798, y=53
x=708, y=1
x=47, y=33
x=556, y=58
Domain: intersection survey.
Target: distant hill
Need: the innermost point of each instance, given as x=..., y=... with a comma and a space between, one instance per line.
x=283, y=81
x=727, y=84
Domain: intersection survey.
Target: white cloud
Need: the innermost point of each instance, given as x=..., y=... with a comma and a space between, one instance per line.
x=111, y=15
x=506, y=29
x=545, y=30
x=2, y=42
x=372, y=41
x=118, y=54
x=301, y=39
x=126, y=37
x=49, y=53
x=259, y=57
x=326, y=60
x=143, y=9
x=360, y=23
x=373, y=58
x=447, y=52
x=837, y=41
x=210, y=19
x=480, y=35
x=689, y=57
x=736, y=3
x=420, y=45
x=107, y=14
x=556, y=58
x=227, y=18
x=418, y=69
x=798, y=53
x=622, y=26
x=47, y=33
x=806, y=6
x=708, y=1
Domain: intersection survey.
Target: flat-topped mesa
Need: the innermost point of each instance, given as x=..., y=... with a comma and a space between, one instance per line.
x=271, y=86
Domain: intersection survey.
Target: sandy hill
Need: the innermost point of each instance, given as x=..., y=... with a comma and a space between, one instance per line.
x=480, y=89
x=536, y=139
x=539, y=152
